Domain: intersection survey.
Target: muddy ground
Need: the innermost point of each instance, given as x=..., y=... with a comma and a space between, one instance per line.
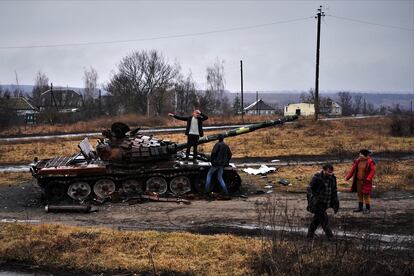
x=392, y=212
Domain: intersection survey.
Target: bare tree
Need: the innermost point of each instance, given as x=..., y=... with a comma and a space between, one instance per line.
x=185, y=95
x=308, y=97
x=142, y=75
x=345, y=101
x=90, y=78
x=41, y=85
x=358, y=105
x=214, y=100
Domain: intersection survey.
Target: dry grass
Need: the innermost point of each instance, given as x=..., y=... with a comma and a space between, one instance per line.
x=103, y=250
x=390, y=175
x=334, y=138
x=85, y=250
x=14, y=178
x=284, y=253
x=14, y=153
x=132, y=120
x=315, y=138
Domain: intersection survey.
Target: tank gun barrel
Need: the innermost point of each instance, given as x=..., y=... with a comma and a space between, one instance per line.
x=241, y=130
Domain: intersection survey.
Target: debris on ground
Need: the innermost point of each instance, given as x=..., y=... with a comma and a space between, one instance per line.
x=70, y=208
x=284, y=182
x=145, y=198
x=263, y=170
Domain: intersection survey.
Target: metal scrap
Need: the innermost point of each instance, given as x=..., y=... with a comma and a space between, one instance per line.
x=70, y=209
x=146, y=198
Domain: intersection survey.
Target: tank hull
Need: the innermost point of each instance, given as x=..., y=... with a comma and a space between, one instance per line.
x=127, y=163
x=86, y=181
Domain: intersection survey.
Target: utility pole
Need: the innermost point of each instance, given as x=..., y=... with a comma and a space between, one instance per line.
x=241, y=89
x=257, y=103
x=318, y=44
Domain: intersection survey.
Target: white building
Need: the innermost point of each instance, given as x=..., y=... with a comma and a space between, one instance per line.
x=301, y=109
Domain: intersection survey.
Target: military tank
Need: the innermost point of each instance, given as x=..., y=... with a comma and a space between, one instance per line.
x=127, y=162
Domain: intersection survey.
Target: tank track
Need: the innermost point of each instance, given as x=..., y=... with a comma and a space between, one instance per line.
x=175, y=183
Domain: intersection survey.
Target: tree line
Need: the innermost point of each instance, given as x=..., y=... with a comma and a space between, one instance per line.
x=352, y=104
x=146, y=83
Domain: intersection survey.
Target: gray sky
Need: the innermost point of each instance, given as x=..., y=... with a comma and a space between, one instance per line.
x=355, y=55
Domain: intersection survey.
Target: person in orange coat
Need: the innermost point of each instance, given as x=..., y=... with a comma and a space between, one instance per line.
x=362, y=171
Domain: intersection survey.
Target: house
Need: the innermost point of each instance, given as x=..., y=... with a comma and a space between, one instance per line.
x=259, y=108
x=62, y=100
x=330, y=108
x=19, y=106
x=303, y=109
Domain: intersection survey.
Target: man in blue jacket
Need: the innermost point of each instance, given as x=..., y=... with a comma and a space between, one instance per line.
x=193, y=130
x=322, y=194
x=220, y=158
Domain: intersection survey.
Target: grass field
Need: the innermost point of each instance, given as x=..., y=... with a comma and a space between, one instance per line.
x=305, y=137
x=390, y=175
x=97, y=124
x=84, y=250
x=103, y=250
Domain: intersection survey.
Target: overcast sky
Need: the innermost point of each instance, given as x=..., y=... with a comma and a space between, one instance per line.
x=365, y=45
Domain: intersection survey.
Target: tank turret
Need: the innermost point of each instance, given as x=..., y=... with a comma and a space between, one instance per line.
x=143, y=148
x=128, y=162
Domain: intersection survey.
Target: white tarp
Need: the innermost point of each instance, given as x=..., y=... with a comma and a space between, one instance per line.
x=262, y=170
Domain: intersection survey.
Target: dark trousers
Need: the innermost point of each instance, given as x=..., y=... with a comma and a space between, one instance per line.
x=192, y=142
x=320, y=218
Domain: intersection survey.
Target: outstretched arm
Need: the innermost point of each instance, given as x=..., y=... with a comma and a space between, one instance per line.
x=178, y=117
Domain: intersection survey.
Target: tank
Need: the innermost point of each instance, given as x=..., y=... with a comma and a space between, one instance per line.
x=127, y=163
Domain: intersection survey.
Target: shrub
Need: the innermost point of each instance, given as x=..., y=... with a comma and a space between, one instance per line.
x=402, y=126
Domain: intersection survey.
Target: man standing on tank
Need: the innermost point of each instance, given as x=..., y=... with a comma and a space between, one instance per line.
x=193, y=130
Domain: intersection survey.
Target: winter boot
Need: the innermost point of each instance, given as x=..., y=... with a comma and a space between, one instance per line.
x=360, y=205
x=367, y=209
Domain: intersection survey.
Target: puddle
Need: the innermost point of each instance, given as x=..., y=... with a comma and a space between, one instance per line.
x=15, y=168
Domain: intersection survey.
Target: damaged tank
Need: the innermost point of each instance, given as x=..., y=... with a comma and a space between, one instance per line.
x=127, y=162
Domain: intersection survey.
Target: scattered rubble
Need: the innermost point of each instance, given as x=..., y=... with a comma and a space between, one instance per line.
x=263, y=170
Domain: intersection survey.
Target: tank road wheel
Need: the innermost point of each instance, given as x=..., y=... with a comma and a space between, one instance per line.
x=232, y=180
x=132, y=186
x=79, y=190
x=104, y=188
x=156, y=184
x=180, y=185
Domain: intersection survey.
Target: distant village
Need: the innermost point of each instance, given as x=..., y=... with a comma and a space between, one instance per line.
x=68, y=103
x=136, y=89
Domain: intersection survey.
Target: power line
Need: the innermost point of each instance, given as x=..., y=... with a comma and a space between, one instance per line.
x=155, y=38
x=371, y=23
x=167, y=1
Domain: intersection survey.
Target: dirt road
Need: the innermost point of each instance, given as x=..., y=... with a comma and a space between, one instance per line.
x=392, y=213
